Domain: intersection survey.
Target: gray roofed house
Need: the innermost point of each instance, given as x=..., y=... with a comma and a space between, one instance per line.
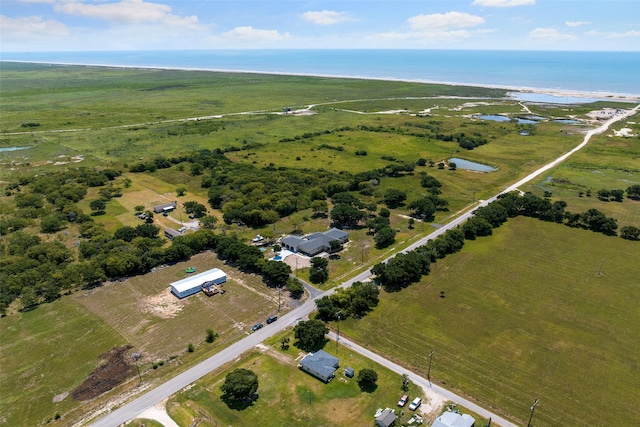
x=320, y=364
x=314, y=243
x=171, y=234
x=167, y=207
x=453, y=419
x=386, y=418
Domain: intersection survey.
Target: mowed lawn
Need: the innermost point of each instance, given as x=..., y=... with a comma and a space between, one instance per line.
x=45, y=353
x=291, y=397
x=525, y=316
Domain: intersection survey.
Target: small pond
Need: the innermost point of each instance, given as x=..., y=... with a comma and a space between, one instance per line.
x=493, y=117
x=13, y=148
x=472, y=166
x=567, y=121
x=552, y=99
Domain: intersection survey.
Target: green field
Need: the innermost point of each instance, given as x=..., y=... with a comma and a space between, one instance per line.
x=289, y=396
x=525, y=316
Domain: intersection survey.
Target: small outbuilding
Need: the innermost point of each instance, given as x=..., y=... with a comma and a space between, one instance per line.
x=386, y=418
x=349, y=372
x=192, y=285
x=171, y=234
x=320, y=364
x=167, y=207
x=453, y=419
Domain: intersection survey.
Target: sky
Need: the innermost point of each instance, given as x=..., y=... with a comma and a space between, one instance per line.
x=89, y=25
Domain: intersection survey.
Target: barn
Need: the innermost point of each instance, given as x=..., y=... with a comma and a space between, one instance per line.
x=193, y=284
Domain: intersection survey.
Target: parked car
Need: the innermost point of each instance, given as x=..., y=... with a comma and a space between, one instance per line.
x=272, y=319
x=257, y=326
x=415, y=403
x=182, y=229
x=403, y=400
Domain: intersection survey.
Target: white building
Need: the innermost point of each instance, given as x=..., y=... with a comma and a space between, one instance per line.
x=193, y=284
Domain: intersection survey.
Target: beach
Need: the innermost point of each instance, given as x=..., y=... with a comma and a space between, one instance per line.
x=568, y=78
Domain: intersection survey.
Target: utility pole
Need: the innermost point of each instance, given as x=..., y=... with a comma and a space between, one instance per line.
x=362, y=252
x=533, y=408
x=600, y=269
x=429, y=371
x=279, y=291
x=338, y=338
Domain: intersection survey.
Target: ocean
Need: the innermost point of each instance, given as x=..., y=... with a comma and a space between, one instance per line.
x=595, y=72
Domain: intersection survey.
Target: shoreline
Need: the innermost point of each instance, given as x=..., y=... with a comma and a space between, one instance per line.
x=591, y=96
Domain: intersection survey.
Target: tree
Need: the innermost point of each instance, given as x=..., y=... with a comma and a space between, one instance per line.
x=284, y=343
x=51, y=224
x=367, y=379
x=190, y=348
x=633, y=192
x=617, y=194
x=319, y=272
x=310, y=335
x=276, y=273
x=181, y=191
x=98, y=206
x=194, y=208
x=239, y=384
x=343, y=214
x=630, y=232
x=125, y=233
x=604, y=195
x=394, y=198
x=423, y=208
x=208, y=222
x=326, y=310
x=211, y=336
x=385, y=237
x=139, y=209
x=295, y=287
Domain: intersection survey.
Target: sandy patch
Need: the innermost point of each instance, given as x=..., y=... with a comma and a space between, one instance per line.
x=164, y=305
x=158, y=412
x=433, y=404
x=624, y=132
x=60, y=397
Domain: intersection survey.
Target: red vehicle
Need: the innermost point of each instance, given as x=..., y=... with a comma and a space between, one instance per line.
x=403, y=400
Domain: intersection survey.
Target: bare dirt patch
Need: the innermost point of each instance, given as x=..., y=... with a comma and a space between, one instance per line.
x=114, y=370
x=164, y=305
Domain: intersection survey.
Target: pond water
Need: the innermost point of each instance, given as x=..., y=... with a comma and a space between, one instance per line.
x=13, y=148
x=552, y=99
x=567, y=121
x=526, y=121
x=472, y=166
x=494, y=117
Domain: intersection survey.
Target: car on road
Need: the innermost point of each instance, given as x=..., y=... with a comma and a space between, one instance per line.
x=272, y=319
x=403, y=401
x=257, y=326
x=415, y=403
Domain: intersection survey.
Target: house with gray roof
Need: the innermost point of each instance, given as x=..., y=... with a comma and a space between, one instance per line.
x=314, y=243
x=320, y=364
x=386, y=418
x=167, y=207
x=453, y=419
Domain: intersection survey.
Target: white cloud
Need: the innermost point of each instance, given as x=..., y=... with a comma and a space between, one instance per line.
x=325, y=17
x=254, y=35
x=447, y=20
x=126, y=11
x=550, y=35
x=576, y=23
x=503, y=3
x=31, y=28
x=609, y=35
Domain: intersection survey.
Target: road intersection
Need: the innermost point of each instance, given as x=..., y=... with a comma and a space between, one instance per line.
x=172, y=386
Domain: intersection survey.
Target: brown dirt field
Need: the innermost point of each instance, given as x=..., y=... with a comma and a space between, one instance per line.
x=114, y=370
x=159, y=325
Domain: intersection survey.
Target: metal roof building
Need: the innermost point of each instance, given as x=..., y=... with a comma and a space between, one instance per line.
x=192, y=285
x=320, y=364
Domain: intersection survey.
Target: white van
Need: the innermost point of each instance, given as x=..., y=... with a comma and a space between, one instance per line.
x=415, y=404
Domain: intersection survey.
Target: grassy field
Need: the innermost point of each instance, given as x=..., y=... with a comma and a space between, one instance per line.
x=525, y=316
x=506, y=332
x=289, y=396
x=49, y=351
x=45, y=353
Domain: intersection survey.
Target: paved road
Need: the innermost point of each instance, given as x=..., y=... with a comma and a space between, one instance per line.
x=422, y=382
x=134, y=408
